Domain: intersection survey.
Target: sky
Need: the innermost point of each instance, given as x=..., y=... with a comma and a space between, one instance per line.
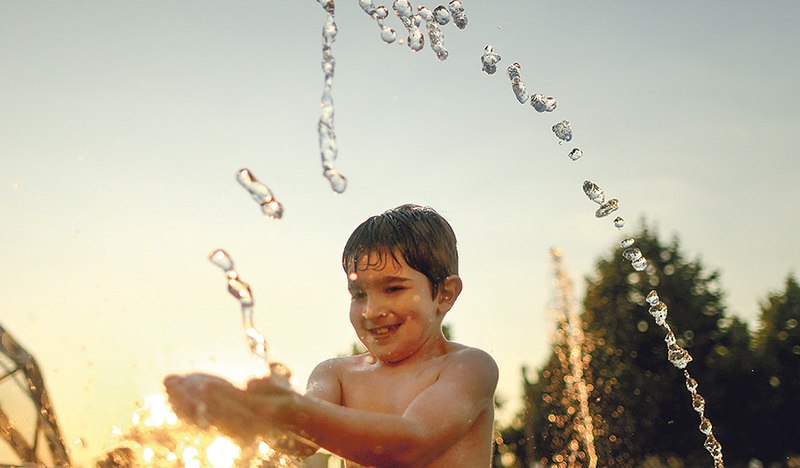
x=123, y=124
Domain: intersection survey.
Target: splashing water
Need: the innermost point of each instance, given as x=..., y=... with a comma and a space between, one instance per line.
x=271, y=208
x=404, y=11
x=241, y=291
x=542, y=103
x=327, y=135
x=388, y=35
x=435, y=34
x=619, y=223
x=607, y=208
x=563, y=131
x=516, y=83
x=575, y=154
x=594, y=192
x=442, y=15
x=489, y=60
x=680, y=358
x=625, y=243
x=459, y=15
x=160, y=439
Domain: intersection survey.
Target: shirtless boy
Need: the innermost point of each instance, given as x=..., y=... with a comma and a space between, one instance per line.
x=413, y=400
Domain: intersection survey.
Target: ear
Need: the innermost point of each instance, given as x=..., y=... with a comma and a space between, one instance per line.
x=448, y=293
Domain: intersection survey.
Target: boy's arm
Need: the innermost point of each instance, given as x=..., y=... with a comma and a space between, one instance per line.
x=436, y=419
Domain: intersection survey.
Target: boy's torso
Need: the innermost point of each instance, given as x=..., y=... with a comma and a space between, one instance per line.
x=391, y=390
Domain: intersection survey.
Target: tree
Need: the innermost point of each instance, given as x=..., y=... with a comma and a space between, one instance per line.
x=638, y=399
x=777, y=348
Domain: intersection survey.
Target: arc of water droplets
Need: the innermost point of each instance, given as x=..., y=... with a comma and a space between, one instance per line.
x=271, y=208
x=597, y=195
x=680, y=358
x=241, y=291
x=327, y=135
x=577, y=361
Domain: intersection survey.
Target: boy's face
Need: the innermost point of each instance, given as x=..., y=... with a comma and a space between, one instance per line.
x=392, y=310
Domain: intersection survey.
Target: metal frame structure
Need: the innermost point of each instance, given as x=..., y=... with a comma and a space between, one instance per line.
x=26, y=373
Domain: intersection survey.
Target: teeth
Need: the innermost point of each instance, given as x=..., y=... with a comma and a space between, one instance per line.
x=383, y=330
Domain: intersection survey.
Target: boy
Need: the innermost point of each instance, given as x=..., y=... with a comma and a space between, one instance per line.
x=414, y=400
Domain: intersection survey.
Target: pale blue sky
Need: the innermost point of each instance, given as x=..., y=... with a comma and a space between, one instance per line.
x=122, y=126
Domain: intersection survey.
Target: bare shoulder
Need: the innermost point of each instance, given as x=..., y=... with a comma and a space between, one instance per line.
x=472, y=362
x=325, y=381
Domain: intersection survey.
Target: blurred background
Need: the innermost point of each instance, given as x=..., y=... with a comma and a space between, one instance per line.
x=122, y=126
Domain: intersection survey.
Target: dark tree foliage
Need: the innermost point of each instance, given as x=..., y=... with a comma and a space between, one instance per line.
x=638, y=399
x=777, y=350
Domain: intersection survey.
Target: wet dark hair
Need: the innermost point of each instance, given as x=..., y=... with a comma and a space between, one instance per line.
x=422, y=236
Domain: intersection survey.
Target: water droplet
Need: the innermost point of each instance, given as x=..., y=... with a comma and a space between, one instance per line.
x=517, y=85
x=698, y=403
x=705, y=426
x=594, y=192
x=441, y=15
x=221, y=259
x=627, y=242
x=639, y=265
x=240, y=290
x=459, y=16
x=619, y=223
x=632, y=254
x=388, y=34
x=261, y=194
x=669, y=338
x=403, y=9
x=659, y=312
x=713, y=446
x=607, y=208
x=543, y=104
x=678, y=356
x=652, y=297
x=436, y=37
x=338, y=181
x=691, y=384
x=563, y=130
x=489, y=60
x=575, y=154
x=416, y=41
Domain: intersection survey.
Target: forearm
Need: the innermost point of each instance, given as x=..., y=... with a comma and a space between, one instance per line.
x=367, y=438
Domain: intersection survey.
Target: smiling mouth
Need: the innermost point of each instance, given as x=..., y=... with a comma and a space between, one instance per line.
x=384, y=330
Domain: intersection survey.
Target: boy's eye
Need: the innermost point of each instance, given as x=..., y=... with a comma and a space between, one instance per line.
x=355, y=295
x=392, y=289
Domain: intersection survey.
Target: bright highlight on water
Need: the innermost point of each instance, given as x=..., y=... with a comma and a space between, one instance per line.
x=271, y=208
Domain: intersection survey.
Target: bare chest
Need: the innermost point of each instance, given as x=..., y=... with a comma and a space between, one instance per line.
x=386, y=390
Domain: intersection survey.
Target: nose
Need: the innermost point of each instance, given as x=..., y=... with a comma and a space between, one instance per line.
x=373, y=308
